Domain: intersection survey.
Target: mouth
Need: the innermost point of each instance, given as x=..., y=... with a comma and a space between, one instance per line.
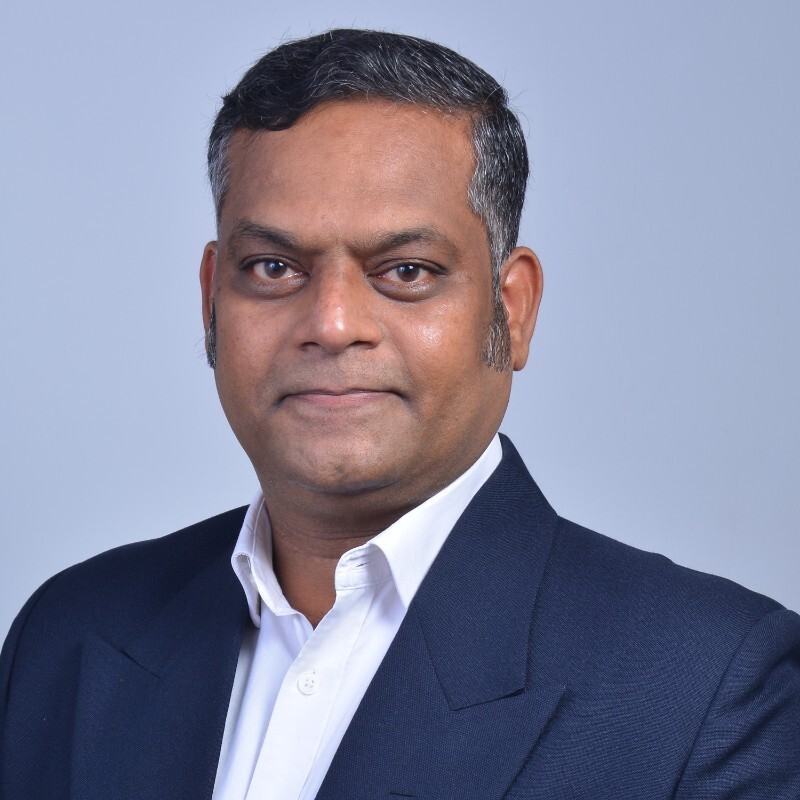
x=338, y=398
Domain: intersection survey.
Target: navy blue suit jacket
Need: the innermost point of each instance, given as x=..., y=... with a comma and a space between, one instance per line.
x=538, y=660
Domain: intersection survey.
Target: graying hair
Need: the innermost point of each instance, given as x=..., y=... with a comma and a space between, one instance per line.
x=289, y=81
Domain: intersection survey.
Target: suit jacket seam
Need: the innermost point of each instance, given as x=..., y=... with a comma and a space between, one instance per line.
x=715, y=695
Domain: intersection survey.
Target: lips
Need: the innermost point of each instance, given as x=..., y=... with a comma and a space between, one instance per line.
x=324, y=397
x=334, y=389
x=335, y=392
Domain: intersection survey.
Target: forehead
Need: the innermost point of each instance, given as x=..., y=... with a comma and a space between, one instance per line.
x=355, y=164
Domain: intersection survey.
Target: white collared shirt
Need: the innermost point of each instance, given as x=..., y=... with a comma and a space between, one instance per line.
x=296, y=687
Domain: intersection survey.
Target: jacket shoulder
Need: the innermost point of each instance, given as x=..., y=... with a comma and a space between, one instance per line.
x=114, y=592
x=624, y=604
x=93, y=616
x=629, y=568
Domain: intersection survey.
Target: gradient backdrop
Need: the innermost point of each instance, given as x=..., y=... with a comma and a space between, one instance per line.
x=660, y=404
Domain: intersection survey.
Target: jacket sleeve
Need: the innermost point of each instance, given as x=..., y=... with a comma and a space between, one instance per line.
x=6, y=668
x=748, y=746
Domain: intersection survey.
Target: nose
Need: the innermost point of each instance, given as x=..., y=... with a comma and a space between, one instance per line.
x=340, y=312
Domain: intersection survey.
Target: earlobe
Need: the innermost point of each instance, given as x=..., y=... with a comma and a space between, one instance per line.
x=522, y=285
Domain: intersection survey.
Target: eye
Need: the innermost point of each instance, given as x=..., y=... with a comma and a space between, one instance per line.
x=408, y=280
x=272, y=269
x=406, y=273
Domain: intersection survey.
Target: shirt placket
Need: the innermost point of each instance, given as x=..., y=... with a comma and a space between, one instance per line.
x=309, y=689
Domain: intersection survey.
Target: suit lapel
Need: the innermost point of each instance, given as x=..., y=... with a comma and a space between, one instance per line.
x=151, y=715
x=454, y=710
x=457, y=705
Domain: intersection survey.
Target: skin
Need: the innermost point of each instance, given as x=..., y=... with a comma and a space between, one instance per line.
x=351, y=283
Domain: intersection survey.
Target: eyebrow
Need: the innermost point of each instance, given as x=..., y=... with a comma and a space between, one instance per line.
x=247, y=229
x=421, y=235
x=380, y=243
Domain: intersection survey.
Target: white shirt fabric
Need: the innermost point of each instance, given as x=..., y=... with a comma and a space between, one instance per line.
x=296, y=688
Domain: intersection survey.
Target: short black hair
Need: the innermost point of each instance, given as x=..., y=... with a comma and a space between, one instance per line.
x=342, y=64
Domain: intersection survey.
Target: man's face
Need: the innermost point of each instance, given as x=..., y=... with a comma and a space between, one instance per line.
x=352, y=292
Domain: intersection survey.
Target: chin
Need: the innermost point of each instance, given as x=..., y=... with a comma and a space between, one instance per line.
x=345, y=467
x=342, y=480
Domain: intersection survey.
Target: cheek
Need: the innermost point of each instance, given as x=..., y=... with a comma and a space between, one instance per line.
x=246, y=351
x=443, y=350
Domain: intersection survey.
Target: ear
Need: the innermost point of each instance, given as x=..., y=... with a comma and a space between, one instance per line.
x=522, y=283
x=208, y=268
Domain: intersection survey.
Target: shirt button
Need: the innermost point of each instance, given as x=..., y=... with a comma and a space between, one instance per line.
x=308, y=683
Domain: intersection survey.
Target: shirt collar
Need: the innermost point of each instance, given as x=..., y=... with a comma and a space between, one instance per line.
x=409, y=545
x=252, y=562
x=412, y=542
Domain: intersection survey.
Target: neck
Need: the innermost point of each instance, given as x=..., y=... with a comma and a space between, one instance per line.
x=309, y=538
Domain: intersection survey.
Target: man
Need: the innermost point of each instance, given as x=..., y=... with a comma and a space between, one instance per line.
x=399, y=613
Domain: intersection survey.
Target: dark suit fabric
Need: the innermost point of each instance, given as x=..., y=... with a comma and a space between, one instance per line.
x=539, y=660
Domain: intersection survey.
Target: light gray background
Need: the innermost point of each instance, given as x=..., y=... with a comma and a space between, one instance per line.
x=660, y=404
